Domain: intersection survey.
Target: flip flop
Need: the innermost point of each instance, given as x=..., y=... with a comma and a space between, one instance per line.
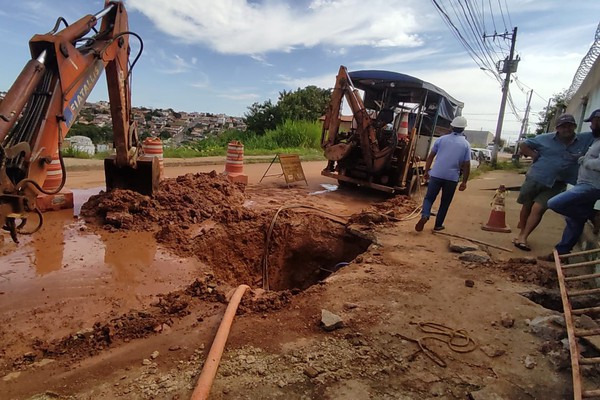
x=522, y=246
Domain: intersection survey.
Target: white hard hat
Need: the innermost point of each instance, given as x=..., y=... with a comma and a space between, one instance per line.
x=459, y=122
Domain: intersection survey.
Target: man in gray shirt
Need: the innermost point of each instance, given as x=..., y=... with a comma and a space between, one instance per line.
x=577, y=203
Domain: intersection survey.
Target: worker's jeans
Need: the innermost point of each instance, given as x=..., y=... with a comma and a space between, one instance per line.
x=433, y=189
x=577, y=205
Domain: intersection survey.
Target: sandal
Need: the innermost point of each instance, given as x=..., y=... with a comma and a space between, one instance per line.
x=522, y=246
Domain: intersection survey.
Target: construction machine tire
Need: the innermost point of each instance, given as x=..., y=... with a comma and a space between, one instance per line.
x=144, y=178
x=346, y=184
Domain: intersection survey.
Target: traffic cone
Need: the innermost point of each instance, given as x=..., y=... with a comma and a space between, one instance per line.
x=403, y=128
x=497, y=221
x=234, y=163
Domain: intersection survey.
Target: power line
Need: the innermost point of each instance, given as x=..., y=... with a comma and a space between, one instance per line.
x=530, y=88
x=502, y=14
x=507, y=13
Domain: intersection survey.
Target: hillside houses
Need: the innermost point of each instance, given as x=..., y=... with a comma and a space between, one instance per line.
x=154, y=122
x=157, y=122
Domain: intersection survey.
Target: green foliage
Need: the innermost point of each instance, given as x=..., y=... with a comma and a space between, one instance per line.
x=262, y=117
x=164, y=135
x=501, y=165
x=99, y=135
x=306, y=104
x=289, y=135
x=182, y=152
x=70, y=152
x=293, y=133
x=557, y=105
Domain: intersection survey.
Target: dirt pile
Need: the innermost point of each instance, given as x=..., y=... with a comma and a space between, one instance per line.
x=185, y=200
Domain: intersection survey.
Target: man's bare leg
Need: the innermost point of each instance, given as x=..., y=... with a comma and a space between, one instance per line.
x=534, y=219
x=524, y=214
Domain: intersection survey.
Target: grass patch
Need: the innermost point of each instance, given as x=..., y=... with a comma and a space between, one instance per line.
x=71, y=152
x=500, y=165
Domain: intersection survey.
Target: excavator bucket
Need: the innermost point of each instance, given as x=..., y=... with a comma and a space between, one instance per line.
x=144, y=178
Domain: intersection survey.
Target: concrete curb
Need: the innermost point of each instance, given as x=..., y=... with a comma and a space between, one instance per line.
x=76, y=164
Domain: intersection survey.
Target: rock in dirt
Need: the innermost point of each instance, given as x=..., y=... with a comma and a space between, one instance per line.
x=492, y=351
x=11, y=376
x=362, y=233
x=475, y=256
x=311, y=372
x=43, y=362
x=330, y=321
x=460, y=246
x=551, y=327
x=507, y=320
x=529, y=362
x=586, y=322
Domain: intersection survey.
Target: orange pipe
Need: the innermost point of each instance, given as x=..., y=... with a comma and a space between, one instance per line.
x=209, y=371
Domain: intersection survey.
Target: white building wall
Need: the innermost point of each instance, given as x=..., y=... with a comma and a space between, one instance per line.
x=587, y=98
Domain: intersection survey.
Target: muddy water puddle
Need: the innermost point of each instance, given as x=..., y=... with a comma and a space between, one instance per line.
x=65, y=277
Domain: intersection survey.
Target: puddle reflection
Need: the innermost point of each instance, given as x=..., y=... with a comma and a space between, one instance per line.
x=80, y=196
x=327, y=188
x=128, y=254
x=48, y=246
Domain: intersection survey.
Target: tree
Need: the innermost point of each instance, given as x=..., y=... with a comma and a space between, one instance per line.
x=306, y=104
x=164, y=135
x=556, y=106
x=262, y=117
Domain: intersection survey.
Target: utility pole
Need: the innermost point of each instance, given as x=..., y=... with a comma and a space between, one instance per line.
x=509, y=66
x=523, y=127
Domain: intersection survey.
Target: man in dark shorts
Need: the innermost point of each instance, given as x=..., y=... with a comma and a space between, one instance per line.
x=555, y=163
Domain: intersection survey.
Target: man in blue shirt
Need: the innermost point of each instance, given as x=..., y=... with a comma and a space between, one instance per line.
x=577, y=203
x=555, y=157
x=452, y=155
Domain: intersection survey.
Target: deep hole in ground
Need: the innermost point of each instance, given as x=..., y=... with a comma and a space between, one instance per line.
x=551, y=299
x=303, y=249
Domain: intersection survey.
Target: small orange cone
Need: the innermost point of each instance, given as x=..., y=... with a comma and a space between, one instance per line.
x=234, y=163
x=403, y=128
x=497, y=221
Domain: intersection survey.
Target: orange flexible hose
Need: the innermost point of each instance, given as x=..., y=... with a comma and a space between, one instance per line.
x=209, y=371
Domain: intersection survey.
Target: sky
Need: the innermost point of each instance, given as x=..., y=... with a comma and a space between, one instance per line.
x=221, y=56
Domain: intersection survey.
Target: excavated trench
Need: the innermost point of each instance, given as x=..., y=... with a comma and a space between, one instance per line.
x=300, y=250
x=550, y=299
x=206, y=216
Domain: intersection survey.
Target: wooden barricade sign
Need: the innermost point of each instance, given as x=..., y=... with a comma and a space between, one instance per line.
x=291, y=168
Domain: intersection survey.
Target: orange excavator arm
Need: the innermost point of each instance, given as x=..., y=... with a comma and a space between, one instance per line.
x=45, y=100
x=373, y=157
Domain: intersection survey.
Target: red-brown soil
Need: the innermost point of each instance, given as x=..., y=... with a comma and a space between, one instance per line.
x=137, y=323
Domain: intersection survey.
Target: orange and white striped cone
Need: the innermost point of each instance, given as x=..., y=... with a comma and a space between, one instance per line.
x=403, y=128
x=497, y=220
x=62, y=200
x=234, y=163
